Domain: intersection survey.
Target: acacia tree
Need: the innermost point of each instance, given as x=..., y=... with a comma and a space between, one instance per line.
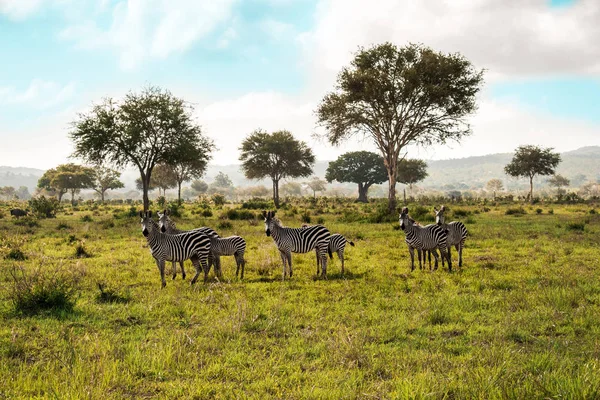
x=495, y=185
x=67, y=178
x=106, y=179
x=530, y=161
x=186, y=171
x=144, y=129
x=361, y=167
x=291, y=189
x=222, y=184
x=164, y=178
x=199, y=186
x=411, y=171
x=316, y=184
x=558, y=181
x=398, y=97
x=277, y=155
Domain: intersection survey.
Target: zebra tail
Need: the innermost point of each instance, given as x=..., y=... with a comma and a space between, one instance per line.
x=351, y=243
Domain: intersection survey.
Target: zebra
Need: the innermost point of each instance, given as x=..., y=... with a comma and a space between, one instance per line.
x=457, y=233
x=421, y=254
x=167, y=225
x=297, y=240
x=229, y=246
x=193, y=245
x=427, y=237
x=337, y=244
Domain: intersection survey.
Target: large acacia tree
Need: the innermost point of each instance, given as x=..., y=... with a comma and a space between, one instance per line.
x=398, y=97
x=411, y=171
x=144, y=129
x=530, y=161
x=364, y=168
x=275, y=155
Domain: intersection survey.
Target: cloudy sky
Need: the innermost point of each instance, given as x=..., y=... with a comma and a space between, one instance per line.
x=248, y=64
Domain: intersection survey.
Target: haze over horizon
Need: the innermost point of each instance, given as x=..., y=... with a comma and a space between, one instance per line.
x=266, y=64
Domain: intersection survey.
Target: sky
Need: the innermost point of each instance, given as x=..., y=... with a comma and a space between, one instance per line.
x=250, y=64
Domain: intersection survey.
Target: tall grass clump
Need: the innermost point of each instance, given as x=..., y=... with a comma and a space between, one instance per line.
x=515, y=211
x=42, y=290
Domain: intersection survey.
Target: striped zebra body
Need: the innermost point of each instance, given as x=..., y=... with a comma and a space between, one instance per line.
x=337, y=244
x=229, y=246
x=429, y=237
x=167, y=225
x=297, y=240
x=457, y=233
x=176, y=247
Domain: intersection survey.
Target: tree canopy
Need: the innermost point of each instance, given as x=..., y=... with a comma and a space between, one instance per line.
x=143, y=129
x=530, y=161
x=65, y=178
x=164, y=178
x=364, y=168
x=411, y=171
x=275, y=155
x=495, y=185
x=398, y=97
x=316, y=184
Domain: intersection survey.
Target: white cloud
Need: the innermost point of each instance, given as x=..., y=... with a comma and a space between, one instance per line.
x=507, y=37
x=19, y=9
x=39, y=94
x=152, y=28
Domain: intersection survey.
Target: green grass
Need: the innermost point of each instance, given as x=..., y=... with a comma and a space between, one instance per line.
x=519, y=320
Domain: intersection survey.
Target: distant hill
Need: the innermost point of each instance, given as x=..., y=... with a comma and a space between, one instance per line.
x=580, y=166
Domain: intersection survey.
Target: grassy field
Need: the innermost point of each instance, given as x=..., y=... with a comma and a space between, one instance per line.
x=520, y=320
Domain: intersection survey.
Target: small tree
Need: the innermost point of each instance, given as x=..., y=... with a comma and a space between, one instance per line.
x=399, y=97
x=530, y=161
x=411, y=171
x=361, y=167
x=495, y=185
x=106, y=179
x=316, y=184
x=7, y=193
x=558, y=181
x=144, y=129
x=199, y=186
x=164, y=177
x=291, y=189
x=67, y=178
x=222, y=184
x=277, y=156
x=186, y=171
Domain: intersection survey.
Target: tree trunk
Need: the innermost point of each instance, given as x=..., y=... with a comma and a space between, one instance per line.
x=102, y=196
x=362, y=193
x=391, y=164
x=404, y=194
x=531, y=189
x=179, y=193
x=276, y=192
x=60, y=195
x=145, y=185
x=72, y=197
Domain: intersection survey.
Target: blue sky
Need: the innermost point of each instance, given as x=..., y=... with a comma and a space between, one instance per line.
x=247, y=64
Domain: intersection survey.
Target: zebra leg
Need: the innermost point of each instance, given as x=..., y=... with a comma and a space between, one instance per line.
x=289, y=258
x=429, y=259
x=318, y=261
x=411, y=250
x=198, y=268
x=340, y=254
x=182, y=269
x=459, y=248
x=174, y=270
x=435, y=255
x=284, y=261
x=218, y=271
x=161, y=268
x=446, y=253
x=324, y=262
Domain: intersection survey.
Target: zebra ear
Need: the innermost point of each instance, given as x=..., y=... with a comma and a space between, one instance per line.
x=272, y=213
x=443, y=208
x=264, y=214
x=405, y=210
x=435, y=209
x=149, y=214
x=165, y=212
x=141, y=214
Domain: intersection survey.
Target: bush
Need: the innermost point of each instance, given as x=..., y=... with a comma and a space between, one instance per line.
x=161, y=201
x=218, y=199
x=257, y=204
x=45, y=289
x=86, y=218
x=538, y=211
x=305, y=217
x=207, y=213
x=27, y=221
x=515, y=211
x=61, y=226
x=81, y=252
x=460, y=213
x=15, y=254
x=44, y=207
x=576, y=226
x=109, y=295
x=240, y=214
x=225, y=225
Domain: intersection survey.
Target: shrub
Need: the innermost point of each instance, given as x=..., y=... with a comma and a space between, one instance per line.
x=515, y=211
x=305, y=217
x=161, y=201
x=218, y=199
x=27, y=221
x=44, y=207
x=109, y=295
x=81, y=252
x=320, y=220
x=576, y=226
x=257, y=204
x=62, y=226
x=538, y=211
x=241, y=214
x=86, y=218
x=459, y=213
x=45, y=289
x=224, y=225
x=207, y=213
x=15, y=254
x=592, y=211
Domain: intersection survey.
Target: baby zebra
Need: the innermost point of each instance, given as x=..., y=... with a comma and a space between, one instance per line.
x=297, y=240
x=427, y=237
x=167, y=225
x=457, y=233
x=229, y=246
x=193, y=245
x=337, y=244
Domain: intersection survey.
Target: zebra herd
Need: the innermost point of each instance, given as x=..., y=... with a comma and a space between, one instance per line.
x=204, y=247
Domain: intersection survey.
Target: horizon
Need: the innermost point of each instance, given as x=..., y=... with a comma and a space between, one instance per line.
x=252, y=64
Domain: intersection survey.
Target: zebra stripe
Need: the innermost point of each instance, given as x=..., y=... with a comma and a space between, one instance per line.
x=167, y=225
x=337, y=244
x=457, y=232
x=297, y=240
x=164, y=247
x=429, y=237
x=229, y=246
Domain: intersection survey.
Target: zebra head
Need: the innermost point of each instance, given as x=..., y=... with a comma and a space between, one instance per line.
x=268, y=215
x=146, y=222
x=404, y=219
x=163, y=221
x=439, y=215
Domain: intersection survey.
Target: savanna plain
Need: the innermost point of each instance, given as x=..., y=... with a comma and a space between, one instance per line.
x=83, y=315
